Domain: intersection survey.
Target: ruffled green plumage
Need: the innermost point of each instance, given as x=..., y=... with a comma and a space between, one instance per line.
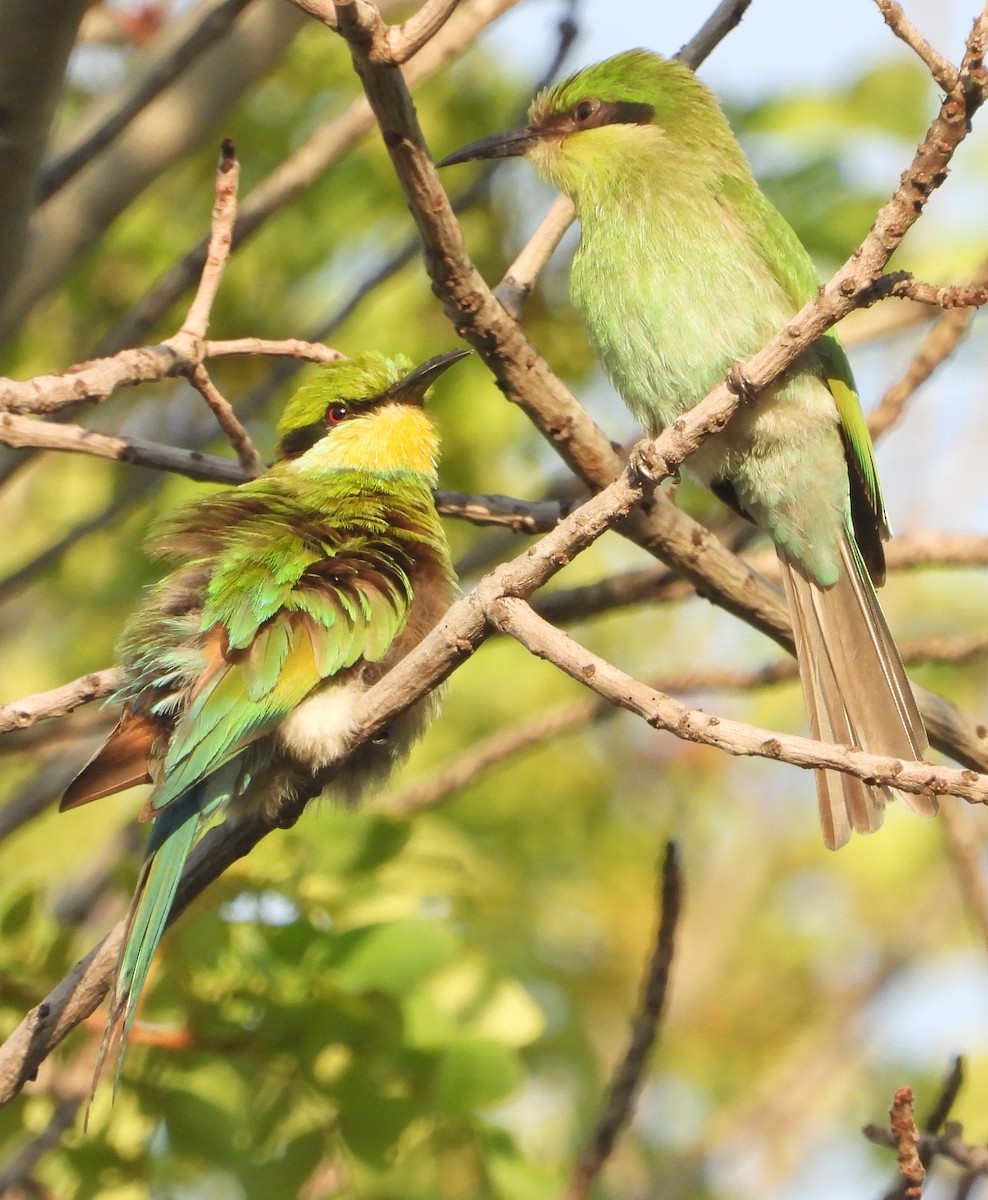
x=281, y=590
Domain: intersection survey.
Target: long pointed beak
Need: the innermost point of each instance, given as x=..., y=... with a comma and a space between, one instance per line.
x=502, y=145
x=413, y=387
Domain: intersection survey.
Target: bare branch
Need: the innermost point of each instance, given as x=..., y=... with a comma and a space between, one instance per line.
x=492, y=752
x=616, y=1110
x=61, y=700
x=900, y=1190
x=725, y=17
x=94, y=381
x=514, y=616
x=938, y=342
x=287, y=348
x=44, y=435
x=944, y=1104
x=907, y=1142
x=228, y=421
x=325, y=146
x=944, y=72
x=499, y=748
x=218, y=247
x=956, y=295
x=519, y=279
x=950, y=1144
x=520, y=516
x=410, y=36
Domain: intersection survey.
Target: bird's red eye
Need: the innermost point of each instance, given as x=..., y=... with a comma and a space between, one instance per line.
x=585, y=110
x=336, y=413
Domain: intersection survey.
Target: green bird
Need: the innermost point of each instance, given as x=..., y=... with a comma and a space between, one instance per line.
x=684, y=268
x=291, y=596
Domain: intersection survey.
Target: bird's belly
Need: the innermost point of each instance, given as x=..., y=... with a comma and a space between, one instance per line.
x=666, y=337
x=320, y=729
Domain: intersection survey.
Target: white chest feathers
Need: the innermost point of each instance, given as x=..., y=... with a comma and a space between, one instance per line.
x=321, y=728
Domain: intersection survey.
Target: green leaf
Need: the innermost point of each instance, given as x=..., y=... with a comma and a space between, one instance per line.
x=393, y=958
x=475, y=1072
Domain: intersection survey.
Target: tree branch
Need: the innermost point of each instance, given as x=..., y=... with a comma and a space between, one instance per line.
x=616, y=1110
x=943, y=72
x=514, y=616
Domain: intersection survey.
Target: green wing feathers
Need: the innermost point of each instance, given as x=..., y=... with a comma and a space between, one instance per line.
x=788, y=262
x=296, y=591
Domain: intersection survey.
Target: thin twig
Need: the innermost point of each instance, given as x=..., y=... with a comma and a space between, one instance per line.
x=617, y=1106
x=944, y=72
x=725, y=17
x=949, y=1091
x=519, y=279
x=902, y=285
x=938, y=342
x=950, y=1144
x=315, y=352
x=228, y=421
x=903, y=1127
x=218, y=246
x=902, y=1188
x=45, y=435
x=18, y=714
x=410, y=36
x=514, y=616
x=501, y=747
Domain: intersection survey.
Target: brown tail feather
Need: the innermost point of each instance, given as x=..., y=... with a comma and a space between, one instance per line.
x=121, y=762
x=856, y=692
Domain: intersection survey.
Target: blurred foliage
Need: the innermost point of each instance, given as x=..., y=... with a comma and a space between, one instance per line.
x=382, y=1008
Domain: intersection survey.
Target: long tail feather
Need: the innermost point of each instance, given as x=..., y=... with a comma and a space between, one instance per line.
x=172, y=839
x=856, y=691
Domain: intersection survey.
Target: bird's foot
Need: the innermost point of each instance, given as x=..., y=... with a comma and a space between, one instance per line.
x=741, y=385
x=650, y=467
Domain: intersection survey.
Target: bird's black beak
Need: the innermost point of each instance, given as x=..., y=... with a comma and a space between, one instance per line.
x=502, y=145
x=413, y=387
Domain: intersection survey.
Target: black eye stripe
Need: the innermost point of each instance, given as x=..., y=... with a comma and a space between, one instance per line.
x=297, y=441
x=590, y=113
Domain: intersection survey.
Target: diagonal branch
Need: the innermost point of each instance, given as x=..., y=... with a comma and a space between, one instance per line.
x=514, y=616
x=944, y=72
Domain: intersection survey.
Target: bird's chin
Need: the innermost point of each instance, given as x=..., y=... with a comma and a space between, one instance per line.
x=548, y=157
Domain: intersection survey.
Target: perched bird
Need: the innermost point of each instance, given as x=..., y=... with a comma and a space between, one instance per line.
x=684, y=268
x=292, y=594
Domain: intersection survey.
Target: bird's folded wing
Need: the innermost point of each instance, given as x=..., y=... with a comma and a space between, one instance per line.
x=338, y=611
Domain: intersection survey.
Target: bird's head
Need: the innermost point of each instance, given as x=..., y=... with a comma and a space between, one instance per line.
x=364, y=412
x=628, y=116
